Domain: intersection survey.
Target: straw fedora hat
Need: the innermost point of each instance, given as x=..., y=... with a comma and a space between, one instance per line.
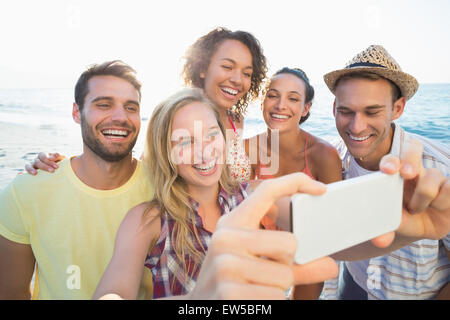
x=375, y=59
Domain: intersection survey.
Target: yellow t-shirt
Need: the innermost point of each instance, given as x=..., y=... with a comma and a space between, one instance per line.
x=71, y=228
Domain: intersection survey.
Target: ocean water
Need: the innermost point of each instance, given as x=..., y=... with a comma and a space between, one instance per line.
x=34, y=120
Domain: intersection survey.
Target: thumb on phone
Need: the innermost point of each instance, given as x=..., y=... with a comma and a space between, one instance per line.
x=250, y=212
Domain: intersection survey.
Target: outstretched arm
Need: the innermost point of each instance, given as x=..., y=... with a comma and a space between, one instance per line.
x=426, y=205
x=244, y=262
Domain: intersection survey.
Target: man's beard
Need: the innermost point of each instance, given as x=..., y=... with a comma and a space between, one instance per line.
x=99, y=149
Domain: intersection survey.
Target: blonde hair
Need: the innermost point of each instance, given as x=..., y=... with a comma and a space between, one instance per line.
x=171, y=194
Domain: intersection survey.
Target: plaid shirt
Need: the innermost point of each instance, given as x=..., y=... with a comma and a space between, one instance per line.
x=167, y=270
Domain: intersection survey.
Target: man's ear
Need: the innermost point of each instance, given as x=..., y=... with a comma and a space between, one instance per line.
x=334, y=108
x=76, y=113
x=399, y=106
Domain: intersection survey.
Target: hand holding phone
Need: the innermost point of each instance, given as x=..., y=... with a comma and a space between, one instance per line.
x=348, y=213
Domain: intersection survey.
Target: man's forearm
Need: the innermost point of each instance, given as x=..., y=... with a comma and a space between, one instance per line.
x=367, y=250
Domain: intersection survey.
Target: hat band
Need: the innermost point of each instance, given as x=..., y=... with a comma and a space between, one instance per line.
x=365, y=64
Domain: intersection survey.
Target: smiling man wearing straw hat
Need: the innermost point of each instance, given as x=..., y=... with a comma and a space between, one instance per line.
x=371, y=92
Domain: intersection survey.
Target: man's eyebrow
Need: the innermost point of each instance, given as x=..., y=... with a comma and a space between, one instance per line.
x=372, y=107
x=112, y=99
x=133, y=102
x=103, y=98
x=376, y=106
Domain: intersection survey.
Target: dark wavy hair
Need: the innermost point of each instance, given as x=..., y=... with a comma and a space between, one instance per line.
x=198, y=57
x=309, y=94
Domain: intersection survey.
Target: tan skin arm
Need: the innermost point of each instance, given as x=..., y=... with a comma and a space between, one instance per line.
x=133, y=240
x=368, y=250
x=426, y=205
x=16, y=270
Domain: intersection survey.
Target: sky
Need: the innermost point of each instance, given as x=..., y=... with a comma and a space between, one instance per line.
x=48, y=43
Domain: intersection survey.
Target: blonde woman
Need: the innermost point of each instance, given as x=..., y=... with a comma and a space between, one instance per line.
x=193, y=188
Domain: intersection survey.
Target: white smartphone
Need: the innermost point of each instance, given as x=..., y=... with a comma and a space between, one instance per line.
x=348, y=213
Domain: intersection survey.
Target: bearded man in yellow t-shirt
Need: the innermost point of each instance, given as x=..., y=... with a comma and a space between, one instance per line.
x=65, y=223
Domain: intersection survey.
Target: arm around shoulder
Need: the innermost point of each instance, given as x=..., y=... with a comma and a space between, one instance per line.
x=134, y=237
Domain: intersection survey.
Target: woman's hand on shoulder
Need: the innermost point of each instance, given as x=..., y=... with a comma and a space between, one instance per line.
x=47, y=162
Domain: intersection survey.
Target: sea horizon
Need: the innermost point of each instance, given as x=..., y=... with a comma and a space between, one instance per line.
x=39, y=120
